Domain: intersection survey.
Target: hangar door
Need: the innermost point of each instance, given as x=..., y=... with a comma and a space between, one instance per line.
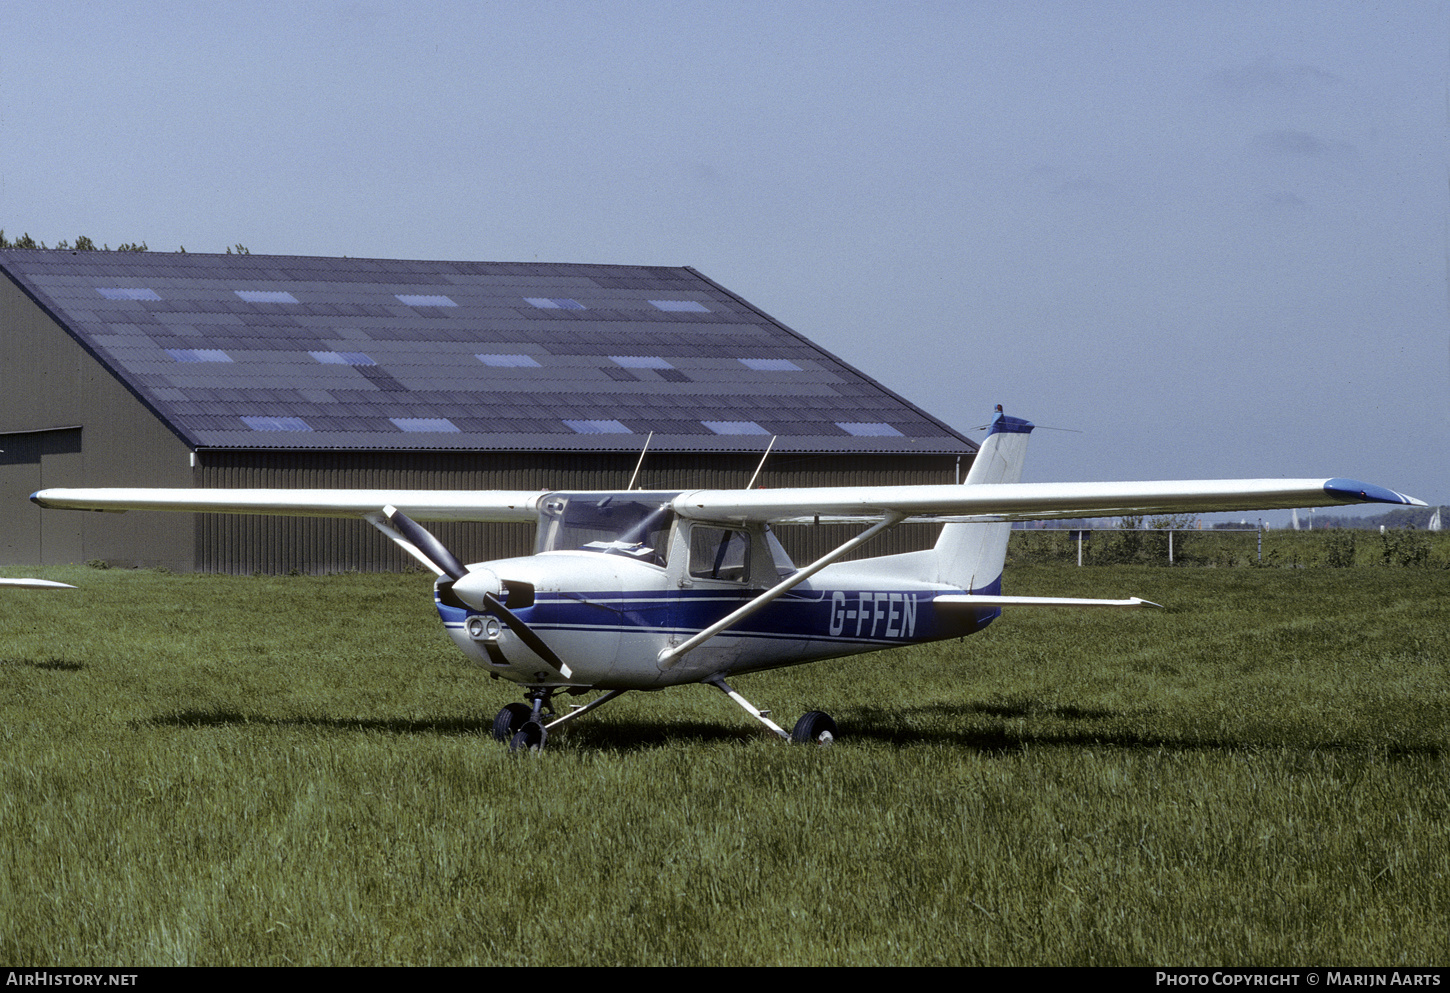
x=29, y=461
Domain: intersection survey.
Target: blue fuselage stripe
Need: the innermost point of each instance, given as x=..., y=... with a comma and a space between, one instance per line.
x=875, y=617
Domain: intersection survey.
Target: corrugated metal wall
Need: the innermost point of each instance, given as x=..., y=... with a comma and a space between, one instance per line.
x=235, y=543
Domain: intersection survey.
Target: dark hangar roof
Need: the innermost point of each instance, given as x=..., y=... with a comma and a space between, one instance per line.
x=253, y=351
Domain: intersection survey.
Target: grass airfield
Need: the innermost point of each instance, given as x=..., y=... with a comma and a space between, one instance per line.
x=215, y=770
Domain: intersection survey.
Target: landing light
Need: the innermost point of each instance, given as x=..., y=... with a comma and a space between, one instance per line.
x=481, y=628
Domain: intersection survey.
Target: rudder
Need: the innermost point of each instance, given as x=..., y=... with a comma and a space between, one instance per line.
x=970, y=556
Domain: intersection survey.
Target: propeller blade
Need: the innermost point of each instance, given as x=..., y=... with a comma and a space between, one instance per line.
x=426, y=543
x=526, y=634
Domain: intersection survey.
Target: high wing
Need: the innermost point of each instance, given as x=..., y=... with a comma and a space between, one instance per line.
x=989, y=502
x=421, y=505
x=984, y=502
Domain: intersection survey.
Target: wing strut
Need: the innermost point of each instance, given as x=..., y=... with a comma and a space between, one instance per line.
x=669, y=656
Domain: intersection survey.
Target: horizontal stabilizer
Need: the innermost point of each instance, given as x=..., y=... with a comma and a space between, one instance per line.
x=36, y=584
x=970, y=600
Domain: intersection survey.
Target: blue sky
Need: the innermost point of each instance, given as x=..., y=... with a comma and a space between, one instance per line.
x=1215, y=239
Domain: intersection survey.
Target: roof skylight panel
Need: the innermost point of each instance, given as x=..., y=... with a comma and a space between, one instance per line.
x=770, y=365
x=597, y=427
x=127, y=293
x=266, y=296
x=425, y=425
x=508, y=361
x=198, y=355
x=424, y=300
x=276, y=423
x=735, y=427
x=681, y=306
x=555, y=303
x=640, y=362
x=868, y=429
x=342, y=358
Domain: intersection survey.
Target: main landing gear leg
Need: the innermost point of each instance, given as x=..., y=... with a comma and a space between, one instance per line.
x=763, y=716
x=814, y=727
x=580, y=711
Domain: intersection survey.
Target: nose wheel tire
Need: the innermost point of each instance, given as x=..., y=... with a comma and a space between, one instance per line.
x=510, y=721
x=530, y=738
x=814, y=727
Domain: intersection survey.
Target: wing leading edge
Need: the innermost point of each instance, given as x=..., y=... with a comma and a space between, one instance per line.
x=421, y=505
x=1028, y=501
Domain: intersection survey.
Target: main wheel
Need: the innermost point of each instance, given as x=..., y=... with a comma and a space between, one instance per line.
x=815, y=726
x=510, y=720
x=530, y=738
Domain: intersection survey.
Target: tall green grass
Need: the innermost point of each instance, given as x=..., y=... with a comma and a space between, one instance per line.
x=215, y=770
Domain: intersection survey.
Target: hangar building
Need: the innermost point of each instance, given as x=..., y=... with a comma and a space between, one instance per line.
x=182, y=370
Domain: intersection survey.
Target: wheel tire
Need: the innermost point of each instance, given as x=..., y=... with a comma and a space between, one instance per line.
x=530, y=738
x=510, y=720
x=815, y=727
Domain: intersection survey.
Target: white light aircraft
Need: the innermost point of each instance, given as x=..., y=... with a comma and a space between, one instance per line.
x=640, y=590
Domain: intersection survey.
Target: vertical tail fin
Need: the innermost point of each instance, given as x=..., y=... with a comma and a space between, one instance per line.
x=970, y=556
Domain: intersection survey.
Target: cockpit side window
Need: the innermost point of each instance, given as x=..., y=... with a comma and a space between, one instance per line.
x=719, y=553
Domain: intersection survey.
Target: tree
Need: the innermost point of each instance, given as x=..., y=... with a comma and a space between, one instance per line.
x=85, y=243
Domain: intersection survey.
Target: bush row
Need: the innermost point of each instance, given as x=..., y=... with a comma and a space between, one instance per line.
x=1336, y=548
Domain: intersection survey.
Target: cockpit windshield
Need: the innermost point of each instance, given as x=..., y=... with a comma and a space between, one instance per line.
x=633, y=524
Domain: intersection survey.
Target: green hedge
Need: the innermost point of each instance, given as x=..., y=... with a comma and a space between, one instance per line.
x=1333, y=548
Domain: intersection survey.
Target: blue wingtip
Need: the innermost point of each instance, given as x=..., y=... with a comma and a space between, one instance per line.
x=1358, y=492
x=1002, y=424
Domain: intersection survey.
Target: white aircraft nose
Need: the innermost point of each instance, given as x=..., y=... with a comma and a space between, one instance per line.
x=471, y=588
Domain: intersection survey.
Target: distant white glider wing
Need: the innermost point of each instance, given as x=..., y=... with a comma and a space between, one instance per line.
x=1027, y=501
x=421, y=505
x=36, y=584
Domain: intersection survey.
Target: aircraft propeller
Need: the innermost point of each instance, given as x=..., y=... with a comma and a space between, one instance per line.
x=425, y=542
x=478, y=588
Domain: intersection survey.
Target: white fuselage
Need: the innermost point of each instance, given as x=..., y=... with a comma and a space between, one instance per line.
x=609, y=616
